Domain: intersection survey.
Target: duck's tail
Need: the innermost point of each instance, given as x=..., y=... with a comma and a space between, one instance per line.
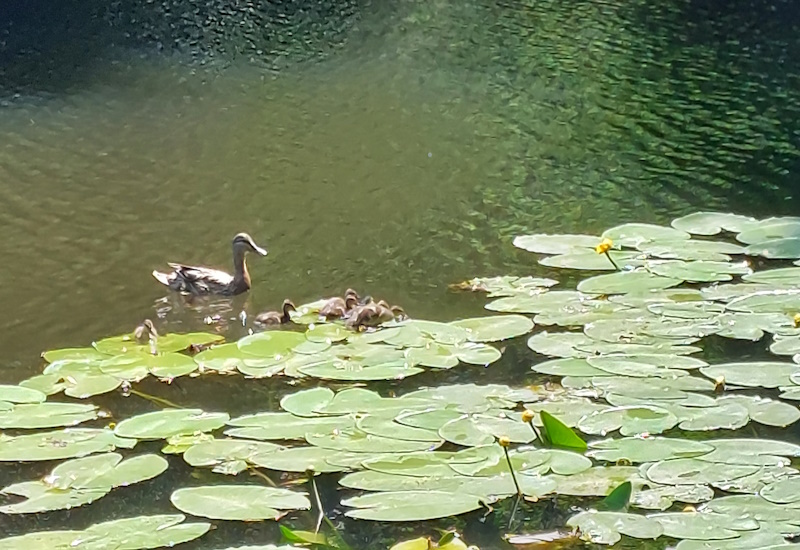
x=162, y=278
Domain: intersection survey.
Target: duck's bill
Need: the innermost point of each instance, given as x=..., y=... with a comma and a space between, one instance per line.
x=260, y=251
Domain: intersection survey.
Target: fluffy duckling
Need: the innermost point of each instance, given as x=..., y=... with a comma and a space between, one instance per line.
x=145, y=332
x=373, y=314
x=336, y=308
x=272, y=318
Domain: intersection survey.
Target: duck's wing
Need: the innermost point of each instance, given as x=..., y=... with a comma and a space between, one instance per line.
x=197, y=280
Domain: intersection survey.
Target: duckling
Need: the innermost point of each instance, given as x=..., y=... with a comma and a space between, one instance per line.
x=373, y=314
x=272, y=318
x=203, y=280
x=336, y=308
x=146, y=333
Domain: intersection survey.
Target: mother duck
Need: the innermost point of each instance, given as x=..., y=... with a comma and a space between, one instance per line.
x=203, y=280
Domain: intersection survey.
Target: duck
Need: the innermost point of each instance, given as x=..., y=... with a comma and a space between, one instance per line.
x=374, y=314
x=336, y=308
x=195, y=280
x=272, y=318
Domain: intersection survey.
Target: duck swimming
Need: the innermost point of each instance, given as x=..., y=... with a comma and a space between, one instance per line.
x=272, y=318
x=203, y=280
x=374, y=314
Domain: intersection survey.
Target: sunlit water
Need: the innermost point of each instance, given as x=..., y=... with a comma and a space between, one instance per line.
x=403, y=162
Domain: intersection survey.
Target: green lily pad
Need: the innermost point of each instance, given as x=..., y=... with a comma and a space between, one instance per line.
x=695, y=471
x=626, y=281
x=766, y=230
x=598, y=481
x=786, y=491
x=269, y=426
x=307, y=402
x=39, y=497
x=387, y=427
x=785, y=277
x=60, y=444
x=86, y=355
x=19, y=394
x=775, y=249
x=496, y=328
x=410, y=505
x=776, y=301
x=348, y=370
x=238, y=502
x=555, y=244
x=753, y=506
x=476, y=354
x=46, y=415
x=699, y=271
x=356, y=441
x=432, y=355
x=221, y=358
x=538, y=303
x=766, y=411
x=703, y=526
x=662, y=497
x=506, y=285
x=166, y=343
x=226, y=456
x=646, y=449
x=691, y=250
x=711, y=223
x=274, y=344
x=327, y=332
x=765, y=374
x=607, y=527
x=481, y=429
x=302, y=459
x=169, y=422
x=633, y=234
x=592, y=261
x=629, y=420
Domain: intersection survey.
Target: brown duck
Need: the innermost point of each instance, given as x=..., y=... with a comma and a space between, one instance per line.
x=189, y=279
x=336, y=308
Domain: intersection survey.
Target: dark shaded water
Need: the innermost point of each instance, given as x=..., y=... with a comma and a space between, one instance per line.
x=403, y=162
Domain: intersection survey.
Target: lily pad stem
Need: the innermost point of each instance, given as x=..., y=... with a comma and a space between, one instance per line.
x=610, y=259
x=154, y=399
x=511, y=469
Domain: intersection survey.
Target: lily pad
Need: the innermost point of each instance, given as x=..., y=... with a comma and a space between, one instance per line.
x=169, y=422
x=227, y=456
x=410, y=505
x=60, y=444
x=765, y=374
x=46, y=415
x=633, y=234
x=493, y=329
x=626, y=281
x=555, y=244
x=607, y=527
x=19, y=394
x=711, y=223
x=646, y=449
x=238, y=502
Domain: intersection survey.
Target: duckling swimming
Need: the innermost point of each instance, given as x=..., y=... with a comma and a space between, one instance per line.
x=373, y=314
x=336, y=308
x=146, y=333
x=203, y=280
x=273, y=318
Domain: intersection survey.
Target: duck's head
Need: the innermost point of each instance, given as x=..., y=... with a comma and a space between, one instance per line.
x=288, y=306
x=245, y=243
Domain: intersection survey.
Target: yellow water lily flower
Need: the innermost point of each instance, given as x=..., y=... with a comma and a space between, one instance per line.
x=504, y=441
x=604, y=246
x=796, y=320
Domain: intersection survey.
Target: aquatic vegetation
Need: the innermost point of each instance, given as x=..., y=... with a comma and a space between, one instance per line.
x=629, y=415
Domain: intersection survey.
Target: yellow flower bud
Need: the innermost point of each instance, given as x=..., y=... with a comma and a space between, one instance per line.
x=527, y=416
x=604, y=246
x=796, y=320
x=504, y=441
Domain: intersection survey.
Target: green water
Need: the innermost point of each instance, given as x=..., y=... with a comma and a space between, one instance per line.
x=402, y=162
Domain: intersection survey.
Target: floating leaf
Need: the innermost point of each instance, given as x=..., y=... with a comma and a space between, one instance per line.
x=267, y=426
x=274, y=344
x=607, y=527
x=765, y=374
x=301, y=459
x=592, y=261
x=646, y=449
x=776, y=249
x=19, y=394
x=711, y=223
x=60, y=444
x=555, y=244
x=629, y=420
x=169, y=422
x=766, y=230
x=238, y=502
x=633, y=234
x=786, y=491
x=356, y=441
x=165, y=343
x=705, y=526
x=626, y=281
x=699, y=271
x=493, y=329
x=410, y=505
x=695, y=471
x=227, y=456
x=46, y=415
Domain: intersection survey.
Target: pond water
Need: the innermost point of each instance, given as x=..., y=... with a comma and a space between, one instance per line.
x=402, y=162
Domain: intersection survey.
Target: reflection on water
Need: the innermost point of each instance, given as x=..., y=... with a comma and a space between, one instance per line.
x=403, y=163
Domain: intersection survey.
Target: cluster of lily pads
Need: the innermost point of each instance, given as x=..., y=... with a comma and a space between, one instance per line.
x=620, y=361
x=325, y=350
